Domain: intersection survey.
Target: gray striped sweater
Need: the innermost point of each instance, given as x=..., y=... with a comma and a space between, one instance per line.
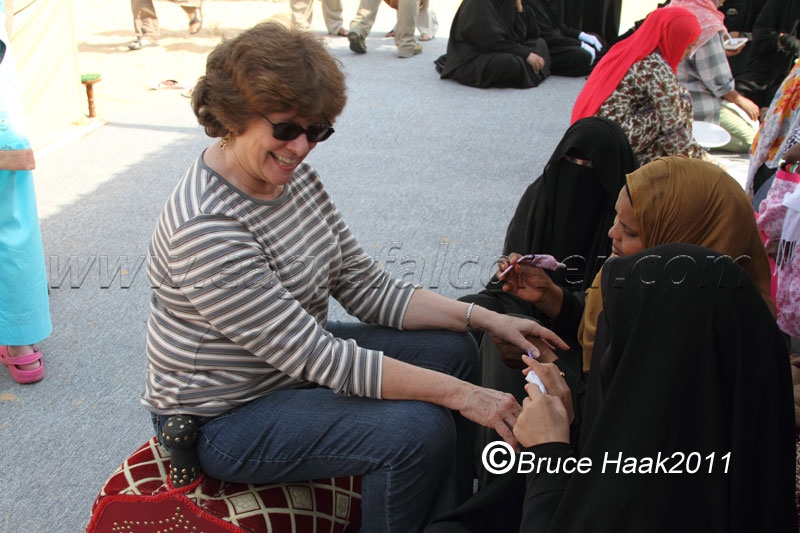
x=240, y=296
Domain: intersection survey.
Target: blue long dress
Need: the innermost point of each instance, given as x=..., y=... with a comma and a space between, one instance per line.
x=24, y=306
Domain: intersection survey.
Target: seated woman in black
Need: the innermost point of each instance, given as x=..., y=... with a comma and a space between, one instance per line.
x=690, y=376
x=768, y=57
x=572, y=52
x=602, y=18
x=495, y=43
x=566, y=213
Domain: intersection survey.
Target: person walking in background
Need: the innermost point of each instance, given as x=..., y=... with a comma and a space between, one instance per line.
x=427, y=21
x=145, y=20
x=24, y=305
x=361, y=25
x=303, y=12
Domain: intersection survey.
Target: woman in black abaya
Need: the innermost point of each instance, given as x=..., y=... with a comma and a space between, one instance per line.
x=688, y=361
x=767, y=59
x=495, y=43
x=566, y=213
x=572, y=52
x=602, y=18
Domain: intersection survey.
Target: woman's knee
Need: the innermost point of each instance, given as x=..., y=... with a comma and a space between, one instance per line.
x=456, y=354
x=425, y=433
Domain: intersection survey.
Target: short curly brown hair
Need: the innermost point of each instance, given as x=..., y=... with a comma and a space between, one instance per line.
x=268, y=69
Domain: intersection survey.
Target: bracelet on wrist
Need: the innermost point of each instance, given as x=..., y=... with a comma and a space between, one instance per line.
x=469, y=315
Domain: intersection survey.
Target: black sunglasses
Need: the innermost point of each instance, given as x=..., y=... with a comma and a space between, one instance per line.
x=289, y=131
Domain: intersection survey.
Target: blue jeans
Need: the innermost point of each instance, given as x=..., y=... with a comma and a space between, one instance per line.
x=405, y=451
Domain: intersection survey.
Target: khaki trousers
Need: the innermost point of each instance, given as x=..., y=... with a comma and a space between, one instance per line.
x=303, y=10
x=403, y=31
x=145, y=20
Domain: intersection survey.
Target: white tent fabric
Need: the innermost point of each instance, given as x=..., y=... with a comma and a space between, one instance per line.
x=44, y=43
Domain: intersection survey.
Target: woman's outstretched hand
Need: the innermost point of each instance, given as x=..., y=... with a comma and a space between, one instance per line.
x=512, y=355
x=524, y=333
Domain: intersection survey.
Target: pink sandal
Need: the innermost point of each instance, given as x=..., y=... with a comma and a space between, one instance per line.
x=19, y=375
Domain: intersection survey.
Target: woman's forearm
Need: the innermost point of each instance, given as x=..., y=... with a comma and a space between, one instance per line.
x=490, y=408
x=403, y=381
x=551, y=301
x=430, y=310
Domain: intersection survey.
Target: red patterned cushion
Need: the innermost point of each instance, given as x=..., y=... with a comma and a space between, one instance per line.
x=138, y=498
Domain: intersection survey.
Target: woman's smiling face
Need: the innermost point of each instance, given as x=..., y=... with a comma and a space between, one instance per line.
x=263, y=164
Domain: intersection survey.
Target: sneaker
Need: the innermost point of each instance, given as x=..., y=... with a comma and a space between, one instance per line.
x=357, y=43
x=403, y=54
x=141, y=42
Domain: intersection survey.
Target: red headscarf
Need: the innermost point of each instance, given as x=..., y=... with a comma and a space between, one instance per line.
x=668, y=30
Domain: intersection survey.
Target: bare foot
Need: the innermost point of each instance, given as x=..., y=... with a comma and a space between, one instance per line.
x=425, y=37
x=342, y=32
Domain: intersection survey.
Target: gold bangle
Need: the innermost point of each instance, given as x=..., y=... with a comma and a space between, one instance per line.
x=469, y=314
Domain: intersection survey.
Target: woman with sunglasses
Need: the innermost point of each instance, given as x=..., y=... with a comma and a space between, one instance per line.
x=246, y=254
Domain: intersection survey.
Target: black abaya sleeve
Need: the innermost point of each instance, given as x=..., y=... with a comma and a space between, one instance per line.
x=544, y=490
x=776, y=17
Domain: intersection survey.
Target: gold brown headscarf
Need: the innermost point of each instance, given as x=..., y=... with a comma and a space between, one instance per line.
x=678, y=199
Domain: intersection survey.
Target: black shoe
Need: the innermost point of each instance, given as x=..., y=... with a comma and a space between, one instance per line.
x=357, y=43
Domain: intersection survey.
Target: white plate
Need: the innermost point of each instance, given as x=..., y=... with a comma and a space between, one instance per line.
x=709, y=135
x=734, y=43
